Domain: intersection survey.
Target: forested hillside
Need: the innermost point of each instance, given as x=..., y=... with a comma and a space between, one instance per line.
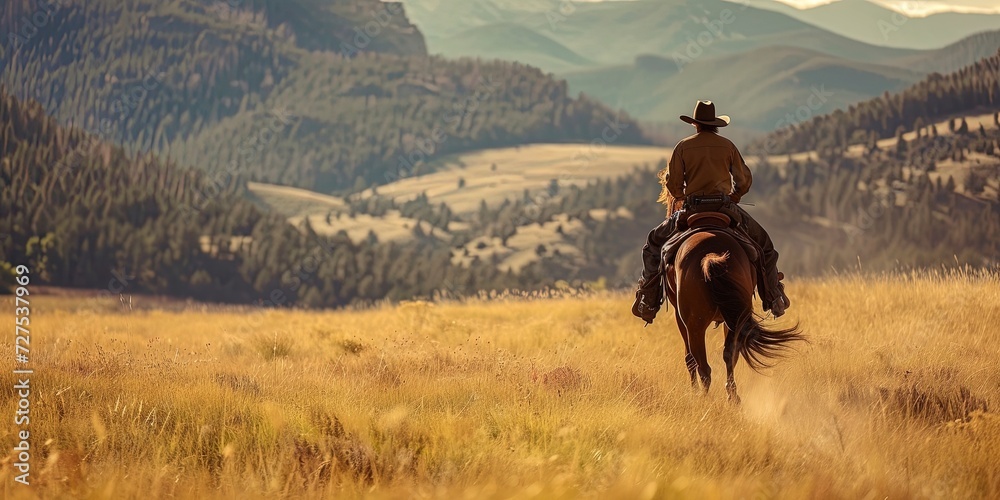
x=196, y=80
x=75, y=223
x=377, y=118
x=919, y=199
x=936, y=97
x=147, y=226
x=924, y=195
x=932, y=201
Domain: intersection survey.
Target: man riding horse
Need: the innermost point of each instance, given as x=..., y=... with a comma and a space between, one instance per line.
x=706, y=172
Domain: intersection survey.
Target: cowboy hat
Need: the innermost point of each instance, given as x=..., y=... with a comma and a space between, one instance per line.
x=704, y=113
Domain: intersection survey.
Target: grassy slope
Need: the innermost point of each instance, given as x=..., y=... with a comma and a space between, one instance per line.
x=530, y=167
x=975, y=121
x=291, y=201
x=562, y=397
x=556, y=235
x=790, y=232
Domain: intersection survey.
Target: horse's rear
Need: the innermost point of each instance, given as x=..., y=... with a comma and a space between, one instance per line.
x=712, y=280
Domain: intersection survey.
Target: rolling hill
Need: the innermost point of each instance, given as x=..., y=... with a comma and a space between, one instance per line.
x=868, y=22
x=757, y=88
x=469, y=182
x=513, y=42
x=953, y=57
x=608, y=33
x=613, y=207
x=972, y=90
x=765, y=85
x=465, y=182
x=646, y=57
x=285, y=92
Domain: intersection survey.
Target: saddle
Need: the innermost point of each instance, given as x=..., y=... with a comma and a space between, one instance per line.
x=689, y=224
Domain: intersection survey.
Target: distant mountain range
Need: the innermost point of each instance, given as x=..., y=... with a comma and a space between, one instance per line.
x=869, y=22
x=763, y=86
x=762, y=60
x=756, y=95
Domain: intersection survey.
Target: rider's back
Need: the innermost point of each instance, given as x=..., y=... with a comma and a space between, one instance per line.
x=707, y=163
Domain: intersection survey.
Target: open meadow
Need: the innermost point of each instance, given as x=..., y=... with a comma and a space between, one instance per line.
x=563, y=396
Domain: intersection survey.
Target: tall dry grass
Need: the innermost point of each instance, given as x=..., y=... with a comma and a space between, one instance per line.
x=896, y=396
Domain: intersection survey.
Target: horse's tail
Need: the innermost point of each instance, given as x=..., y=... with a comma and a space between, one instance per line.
x=756, y=343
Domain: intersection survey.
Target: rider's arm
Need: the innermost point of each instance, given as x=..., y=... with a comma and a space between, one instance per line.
x=742, y=179
x=675, y=173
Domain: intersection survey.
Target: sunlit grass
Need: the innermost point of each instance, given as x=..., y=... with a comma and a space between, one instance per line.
x=514, y=397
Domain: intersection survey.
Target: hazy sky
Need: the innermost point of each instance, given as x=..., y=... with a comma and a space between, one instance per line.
x=919, y=6
x=910, y=7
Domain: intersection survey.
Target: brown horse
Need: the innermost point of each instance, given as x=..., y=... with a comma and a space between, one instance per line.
x=712, y=279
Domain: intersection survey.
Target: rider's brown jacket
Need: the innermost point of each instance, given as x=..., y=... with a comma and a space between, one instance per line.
x=707, y=163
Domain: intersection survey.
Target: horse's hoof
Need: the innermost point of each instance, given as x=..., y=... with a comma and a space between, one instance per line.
x=734, y=399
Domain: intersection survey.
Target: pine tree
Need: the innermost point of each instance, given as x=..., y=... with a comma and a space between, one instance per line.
x=974, y=183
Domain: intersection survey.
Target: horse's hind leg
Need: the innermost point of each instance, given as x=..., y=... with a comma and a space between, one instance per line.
x=731, y=354
x=692, y=365
x=696, y=341
x=689, y=361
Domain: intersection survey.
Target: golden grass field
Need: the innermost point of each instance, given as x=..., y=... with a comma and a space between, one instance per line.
x=513, y=397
